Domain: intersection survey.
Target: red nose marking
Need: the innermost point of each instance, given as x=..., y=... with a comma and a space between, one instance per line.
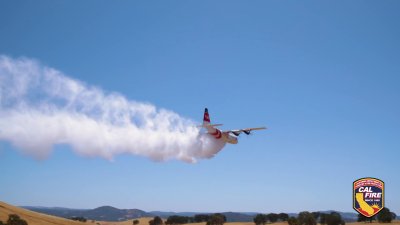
x=219, y=134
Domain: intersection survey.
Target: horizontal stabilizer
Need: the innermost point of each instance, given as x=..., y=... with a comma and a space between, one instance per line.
x=210, y=125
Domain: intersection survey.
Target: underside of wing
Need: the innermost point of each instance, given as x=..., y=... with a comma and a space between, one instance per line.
x=246, y=130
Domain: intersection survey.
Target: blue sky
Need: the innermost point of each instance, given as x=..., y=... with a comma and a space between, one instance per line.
x=322, y=76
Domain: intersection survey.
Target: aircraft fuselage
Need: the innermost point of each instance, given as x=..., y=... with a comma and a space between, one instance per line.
x=224, y=136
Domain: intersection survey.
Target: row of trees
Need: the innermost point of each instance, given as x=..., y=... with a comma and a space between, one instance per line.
x=213, y=219
x=179, y=220
x=262, y=219
x=79, y=218
x=14, y=219
x=303, y=218
x=384, y=216
x=333, y=218
x=307, y=218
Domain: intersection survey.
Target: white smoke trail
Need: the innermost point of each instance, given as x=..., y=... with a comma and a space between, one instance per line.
x=40, y=107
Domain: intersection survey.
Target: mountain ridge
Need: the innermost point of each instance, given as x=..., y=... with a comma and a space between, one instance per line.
x=110, y=213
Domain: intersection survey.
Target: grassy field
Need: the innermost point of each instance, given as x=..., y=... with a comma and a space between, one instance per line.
x=34, y=218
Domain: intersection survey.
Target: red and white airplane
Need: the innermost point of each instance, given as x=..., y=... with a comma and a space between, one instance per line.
x=229, y=136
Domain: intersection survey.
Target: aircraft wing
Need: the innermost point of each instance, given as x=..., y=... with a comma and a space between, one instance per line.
x=246, y=130
x=210, y=125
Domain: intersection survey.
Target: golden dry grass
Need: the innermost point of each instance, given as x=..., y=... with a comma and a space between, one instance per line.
x=145, y=221
x=142, y=221
x=395, y=222
x=34, y=218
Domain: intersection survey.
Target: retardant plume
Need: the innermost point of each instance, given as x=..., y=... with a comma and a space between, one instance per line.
x=41, y=107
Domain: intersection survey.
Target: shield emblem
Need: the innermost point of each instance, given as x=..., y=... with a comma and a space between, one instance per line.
x=368, y=196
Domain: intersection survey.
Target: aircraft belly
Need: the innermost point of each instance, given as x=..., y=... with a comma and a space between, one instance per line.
x=231, y=140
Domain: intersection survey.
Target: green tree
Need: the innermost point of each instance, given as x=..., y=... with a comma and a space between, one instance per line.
x=178, y=220
x=316, y=215
x=156, y=221
x=272, y=217
x=334, y=218
x=14, y=219
x=79, y=218
x=283, y=216
x=306, y=218
x=198, y=218
x=135, y=222
x=394, y=216
x=293, y=221
x=385, y=216
x=216, y=219
x=322, y=218
x=260, y=219
x=362, y=218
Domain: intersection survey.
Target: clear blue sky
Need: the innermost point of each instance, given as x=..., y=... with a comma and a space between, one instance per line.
x=324, y=77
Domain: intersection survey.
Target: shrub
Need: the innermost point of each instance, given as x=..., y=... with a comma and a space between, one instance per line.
x=306, y=218
x=293, y=221
x=79, y=218
x=156, y=221
x=216, y=219
x=260, y=219
x=14, y=219
x=385, y=216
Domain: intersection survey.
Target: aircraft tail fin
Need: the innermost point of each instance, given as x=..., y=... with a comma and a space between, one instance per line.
x=207, y=122
x=206, y=118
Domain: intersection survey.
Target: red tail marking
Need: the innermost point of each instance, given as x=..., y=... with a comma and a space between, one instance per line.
x=206, y=117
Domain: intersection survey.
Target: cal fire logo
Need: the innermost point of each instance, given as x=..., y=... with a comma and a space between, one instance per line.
x=368, y=196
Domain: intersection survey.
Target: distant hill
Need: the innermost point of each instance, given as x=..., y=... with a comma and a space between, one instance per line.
x=167, y=214
x=104, y=213
x=109, y=213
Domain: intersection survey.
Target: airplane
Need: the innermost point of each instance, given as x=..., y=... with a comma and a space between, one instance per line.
x=229, y=136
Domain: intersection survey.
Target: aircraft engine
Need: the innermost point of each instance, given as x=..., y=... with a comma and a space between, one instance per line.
x=236, y=133
x=246, y=132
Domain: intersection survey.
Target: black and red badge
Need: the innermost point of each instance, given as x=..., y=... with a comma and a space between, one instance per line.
x=368, y=196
